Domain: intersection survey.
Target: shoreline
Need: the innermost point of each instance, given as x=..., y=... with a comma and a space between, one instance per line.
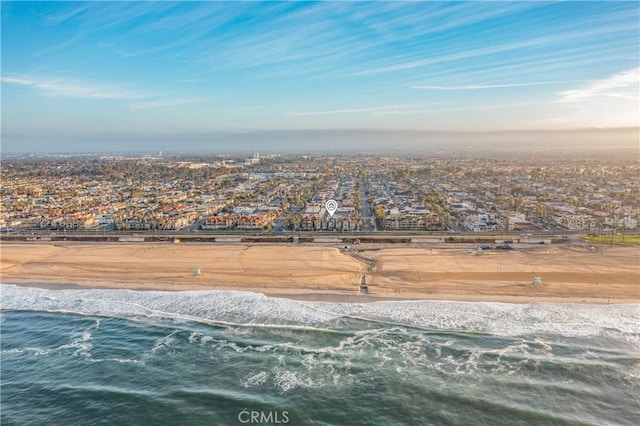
x=340, y=297
x=570, y=274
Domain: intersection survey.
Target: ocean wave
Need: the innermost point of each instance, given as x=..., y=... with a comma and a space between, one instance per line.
x=254, y=309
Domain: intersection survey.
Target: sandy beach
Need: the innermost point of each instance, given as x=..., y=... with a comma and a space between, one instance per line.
x=570, y=273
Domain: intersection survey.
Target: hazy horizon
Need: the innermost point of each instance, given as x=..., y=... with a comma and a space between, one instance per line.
x=301, y=76
x=335, y=140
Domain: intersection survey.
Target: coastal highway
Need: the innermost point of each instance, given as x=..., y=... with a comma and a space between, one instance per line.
x=204, y=236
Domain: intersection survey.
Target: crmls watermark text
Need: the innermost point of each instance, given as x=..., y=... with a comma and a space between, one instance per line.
x=266, y=417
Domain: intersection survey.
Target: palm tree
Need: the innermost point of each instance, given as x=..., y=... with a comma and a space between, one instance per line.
x=445, y=219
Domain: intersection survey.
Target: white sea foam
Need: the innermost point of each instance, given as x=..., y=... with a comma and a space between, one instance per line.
x=245, y=308
x=288, y=380
x=253, y=380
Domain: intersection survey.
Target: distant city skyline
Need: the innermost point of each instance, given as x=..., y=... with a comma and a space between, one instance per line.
x=278, y=76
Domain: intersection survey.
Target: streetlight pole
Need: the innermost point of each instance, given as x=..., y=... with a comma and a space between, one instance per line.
x=612, y=231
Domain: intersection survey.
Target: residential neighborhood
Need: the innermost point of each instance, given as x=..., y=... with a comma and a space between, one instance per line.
x=278, y=193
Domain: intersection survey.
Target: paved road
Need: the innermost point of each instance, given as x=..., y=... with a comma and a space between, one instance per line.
x=366, y=212
x=572, y=236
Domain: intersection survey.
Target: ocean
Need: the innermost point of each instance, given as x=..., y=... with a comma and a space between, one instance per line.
x=231, y=358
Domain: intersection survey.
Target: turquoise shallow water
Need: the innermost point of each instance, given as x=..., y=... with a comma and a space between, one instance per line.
x=231, y=358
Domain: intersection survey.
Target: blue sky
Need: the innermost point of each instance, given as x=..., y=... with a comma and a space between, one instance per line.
x=94, y=72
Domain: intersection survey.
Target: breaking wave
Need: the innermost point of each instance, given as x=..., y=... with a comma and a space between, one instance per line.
x=254, y=309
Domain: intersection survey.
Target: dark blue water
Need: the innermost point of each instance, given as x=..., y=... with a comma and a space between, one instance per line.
x=124, y=357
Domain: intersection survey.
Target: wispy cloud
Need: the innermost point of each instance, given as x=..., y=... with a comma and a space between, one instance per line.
x=389, y=108
x=609, y=102
x=69, y=14
x=158, y=104
x=627, y=81
x=60, y=88
x=495, y=86
x=337, y=111
x=60, y=46
x=462, y=108
x=410, y=109
x=387, y=64
x=419, y=60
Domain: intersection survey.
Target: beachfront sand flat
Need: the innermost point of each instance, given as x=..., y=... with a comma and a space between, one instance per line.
x=566, y=271
x=569, y=272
